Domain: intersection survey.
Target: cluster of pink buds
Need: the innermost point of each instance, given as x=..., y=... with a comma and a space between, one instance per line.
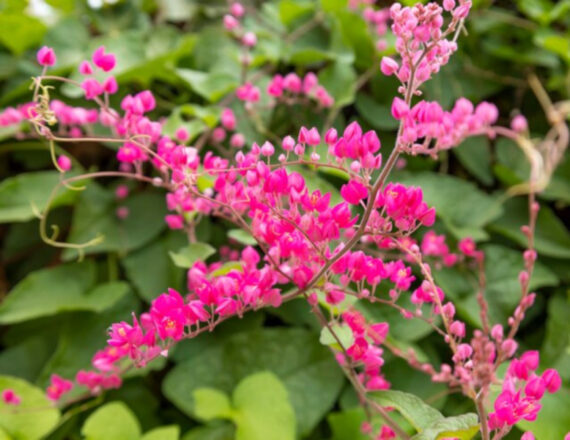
x=361, y=148
x=58, y=387
x=522, y=391
x=365, y=351
x=428, y=129
x=421, y=41
x=91, y=86
x=291, y=87
x=232, y=23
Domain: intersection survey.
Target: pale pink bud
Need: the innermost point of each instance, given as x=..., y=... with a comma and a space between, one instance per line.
x=448, y=5
x=218, y=134
x=237, y=140
x=464, y=351
x=249, y=39
x=399, y=108
x=313, y=137
x=64, y=163
x=228, y=119
x=528, y=436
x=122, y=212
x=457, y=328
x=237, y=9
x=462, y=11
x=509, y=346
x=497, y=332
x=46, y=56
x=230, y=23
x=331, y=136
x=288, y=143
x=388, y=66
x=519, y=124
x=448, y=310
x=267, y=149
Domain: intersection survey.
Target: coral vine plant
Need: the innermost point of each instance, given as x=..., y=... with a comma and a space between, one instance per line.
x=363, y=248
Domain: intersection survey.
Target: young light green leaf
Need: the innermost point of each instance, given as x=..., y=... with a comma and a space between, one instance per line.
x=414, y=409
x=36, y=416
x=242, y=237
x=113, y=421
x=263, y=409
x=192, y=253
x=211, y=404
x=463, y=427
x=163, y=433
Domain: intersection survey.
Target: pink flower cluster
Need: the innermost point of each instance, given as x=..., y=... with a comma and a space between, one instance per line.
x=522, y=391
x=291, y=87
x=428, y=129
x=365, y=350
x=378, y=20
x=10, y=397
x=91, y=86
x=421, y=41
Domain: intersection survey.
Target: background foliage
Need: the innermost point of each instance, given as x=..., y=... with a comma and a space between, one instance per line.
x=269, y=368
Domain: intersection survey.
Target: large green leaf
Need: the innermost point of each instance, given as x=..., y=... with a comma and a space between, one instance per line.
x=95, y=215
x=551, y=239
x=61, y=289
x=262, y=409
x=163, y=433
x=188, y=255
x=23, y=196
x=113, y=421
x=20, y=32
x=34, y=418
x=211, y=86
x=306, y=368
x=414, y=409
x=475, y=155
x=464, y=208
x=463, y=427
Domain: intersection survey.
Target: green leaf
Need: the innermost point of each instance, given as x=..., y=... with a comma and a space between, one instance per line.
x=95, y=215
x=23, y=195
x=551, y=239
x=210, y=86
x=454, y=200
x=347, y=424
x=415, y=410
x=163, y=433
x=343, y=332
x=376, y=114
x=211, y=404
x=306, y=368
x=242, y=236
x=262, y=408
x=475, y=155
x=113, y=421
x=20, y=32
x=225, y=431
x=188, y=255
x=333, y=5
x=36, y=417
x=340, y=81
x=60, y=289
x=150, y=283
x=463, y=427
x=555, y=352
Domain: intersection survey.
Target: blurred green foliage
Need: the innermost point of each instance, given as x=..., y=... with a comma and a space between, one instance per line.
x=55, y=311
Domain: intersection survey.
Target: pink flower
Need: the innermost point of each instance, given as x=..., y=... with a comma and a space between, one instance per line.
x=92, y=88
x=85, y=68
x=527, y=436
x=237, y=9
x=353, y=192
x=552, y=380
x=64, y=163
x=104, y=61
x=46, y=56
x=58, y=387
x=182, y=134
x=110, y=85
x=174, y=221
x=237, y=140
x=230, y=23
x=228, y=119
x=399, y=108
x=9, y=397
